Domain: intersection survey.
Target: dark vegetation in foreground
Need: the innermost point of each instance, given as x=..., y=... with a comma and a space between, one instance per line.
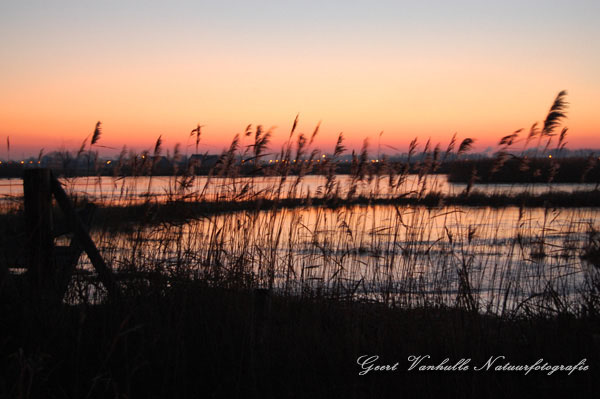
x=189, y=340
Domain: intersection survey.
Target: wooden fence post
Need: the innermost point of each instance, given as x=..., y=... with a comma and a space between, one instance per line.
x=38, y=186
x=37, y=191
x=83, y=239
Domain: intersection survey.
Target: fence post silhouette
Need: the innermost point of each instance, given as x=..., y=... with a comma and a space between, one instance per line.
x=37, y=190
x=83, y=239
x=38, y=186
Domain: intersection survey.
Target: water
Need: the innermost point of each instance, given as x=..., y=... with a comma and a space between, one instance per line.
x=505, y=259
x=161, y=188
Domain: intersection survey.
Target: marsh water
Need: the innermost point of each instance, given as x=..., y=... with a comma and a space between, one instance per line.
x=495, y=259
x=411, y=255
x=160, y=188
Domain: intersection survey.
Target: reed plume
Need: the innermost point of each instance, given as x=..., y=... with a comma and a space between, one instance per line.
x=339, y=147
x=261, y=141
x=533, y=131
x=97, y=133
x=314, y=133
x=412, y=148
x=436, y=157
x=427, y=144
x=82, y=147
x=198, y=132
x=158, y=146
x=450, y=147
x=300, y=144
x=465, y=146
x=156, y=155
x=225, y=164
x=331, y=165
x=294, y=125
x=556, y=114
x=509, y=140
x=561, y=139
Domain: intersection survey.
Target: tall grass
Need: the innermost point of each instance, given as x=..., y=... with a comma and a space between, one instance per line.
x=396, y=239
x=506, y=261
x=258, y=256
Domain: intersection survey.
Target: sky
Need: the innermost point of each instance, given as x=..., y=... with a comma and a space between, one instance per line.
x=422, y=69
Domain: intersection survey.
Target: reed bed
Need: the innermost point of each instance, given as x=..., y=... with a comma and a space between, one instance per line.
x=506, y=261
x=258, y=266
x=381, y=233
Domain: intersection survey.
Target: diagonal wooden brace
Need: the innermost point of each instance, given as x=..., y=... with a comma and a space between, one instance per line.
x=83, y=239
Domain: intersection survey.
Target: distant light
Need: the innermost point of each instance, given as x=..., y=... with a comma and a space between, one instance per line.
x=143, y=156
x=108, y=162
x=22, y=162
x=323, y=155
x=39, y=162
x=549, y=156
x=30, y=161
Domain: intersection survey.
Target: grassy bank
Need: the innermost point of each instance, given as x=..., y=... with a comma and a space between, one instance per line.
x=121, y=216
x=190, y=340
x=179, y=210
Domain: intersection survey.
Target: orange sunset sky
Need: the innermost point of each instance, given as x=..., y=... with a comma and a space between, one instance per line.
x=426, y=69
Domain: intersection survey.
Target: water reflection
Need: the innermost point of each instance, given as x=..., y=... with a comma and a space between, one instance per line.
x=499, y=258
x=161, y=188
x=494, y=259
